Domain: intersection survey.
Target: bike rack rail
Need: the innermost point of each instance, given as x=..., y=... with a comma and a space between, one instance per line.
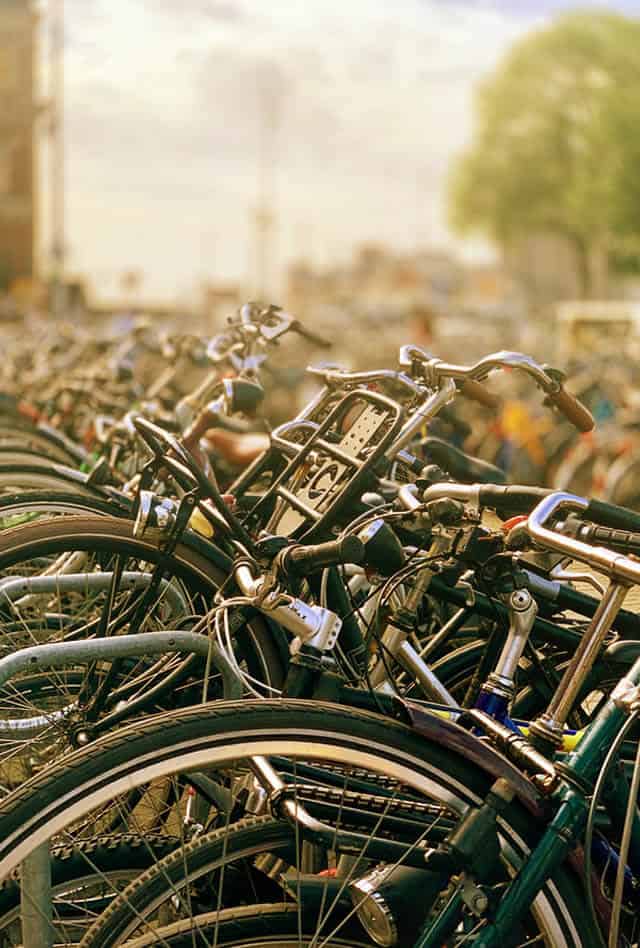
x=14, y=588
x=35, y=871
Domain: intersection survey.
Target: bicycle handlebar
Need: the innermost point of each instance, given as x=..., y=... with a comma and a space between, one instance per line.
x=435, y=370
x=611, y=515
x=619, y=567
x=504, y=359
x=478, y=393
x=312, y=337
x=521, y=499
x=624, y=540
x=337, y=377
x=435, y=373
x=258, y=324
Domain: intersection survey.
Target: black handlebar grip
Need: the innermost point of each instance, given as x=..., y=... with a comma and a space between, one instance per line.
x=300, y=560
x=573, y=410
x=513, y=499
x=610, y=515
x=625, y=540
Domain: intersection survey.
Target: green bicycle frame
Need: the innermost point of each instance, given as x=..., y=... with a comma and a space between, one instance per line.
x=564, y=829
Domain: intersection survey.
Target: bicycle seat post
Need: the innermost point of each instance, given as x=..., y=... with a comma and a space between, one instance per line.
x=547, y=731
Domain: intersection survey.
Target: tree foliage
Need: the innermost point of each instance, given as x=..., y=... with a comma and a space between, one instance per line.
x=557, y=144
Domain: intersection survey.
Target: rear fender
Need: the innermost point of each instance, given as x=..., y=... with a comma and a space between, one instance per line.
x=441, y=730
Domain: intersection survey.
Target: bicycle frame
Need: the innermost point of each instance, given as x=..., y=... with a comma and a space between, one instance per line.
x=574, y=778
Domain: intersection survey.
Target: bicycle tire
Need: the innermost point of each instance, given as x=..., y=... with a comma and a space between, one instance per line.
x=36, y=440
x=622, y=483
x=23, y=507
x=41, y=476
x=250, y=836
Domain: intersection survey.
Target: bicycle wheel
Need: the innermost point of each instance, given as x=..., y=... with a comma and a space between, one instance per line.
x=235, y=854
x=72, y=578
x=33, y=439
x=83, y=880
x=15, y=454
x=333, y=760
x=622, y=483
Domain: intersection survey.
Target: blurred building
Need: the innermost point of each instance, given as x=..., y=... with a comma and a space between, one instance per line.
x=365, y=304
x=378, y=293
x=17, y=159
x=217, y=301
x=376, y=279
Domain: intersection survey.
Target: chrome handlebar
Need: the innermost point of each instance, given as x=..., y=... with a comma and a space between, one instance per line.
x=335, y=377
x=434, y=371
x=617, y=566
x=437, y=369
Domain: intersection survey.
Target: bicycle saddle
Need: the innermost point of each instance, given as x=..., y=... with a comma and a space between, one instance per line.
x=463, y=467
x=238, y=449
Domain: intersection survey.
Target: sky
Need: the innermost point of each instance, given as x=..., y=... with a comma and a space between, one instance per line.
x=181, y=115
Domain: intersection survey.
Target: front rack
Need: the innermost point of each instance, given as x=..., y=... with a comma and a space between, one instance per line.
x=316, y=481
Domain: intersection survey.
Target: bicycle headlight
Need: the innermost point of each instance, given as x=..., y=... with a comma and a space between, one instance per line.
x=373, y=911
x=390, y=903
x=153, y=512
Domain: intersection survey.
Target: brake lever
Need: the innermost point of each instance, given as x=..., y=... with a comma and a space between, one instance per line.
x=560, y=573
x=285, y=322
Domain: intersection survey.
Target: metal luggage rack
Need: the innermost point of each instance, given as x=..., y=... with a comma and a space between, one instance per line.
x=315, y=481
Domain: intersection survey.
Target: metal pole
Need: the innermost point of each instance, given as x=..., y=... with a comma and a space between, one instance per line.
x=57, y=181
x=270, y=93
x=35, y=899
